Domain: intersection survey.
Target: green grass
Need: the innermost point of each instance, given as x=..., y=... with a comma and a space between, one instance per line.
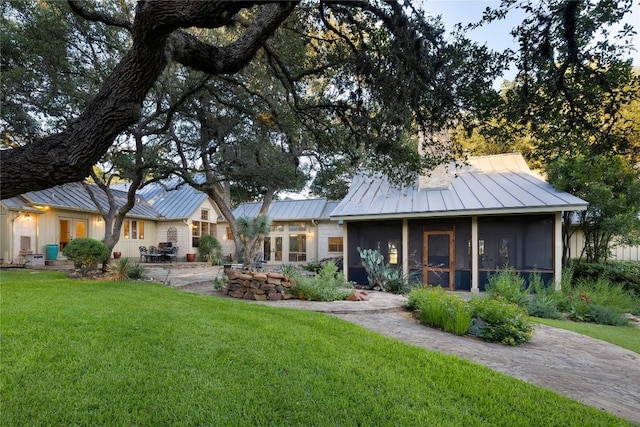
x=624, y=336
x=127, y=353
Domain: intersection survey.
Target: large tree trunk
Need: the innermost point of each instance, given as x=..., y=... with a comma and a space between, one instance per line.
x=69, y=155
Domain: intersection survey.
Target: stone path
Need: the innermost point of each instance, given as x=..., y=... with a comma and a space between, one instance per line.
x=591, y=371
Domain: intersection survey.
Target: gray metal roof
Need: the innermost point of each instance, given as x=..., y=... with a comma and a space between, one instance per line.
x=289, y=210
x=73, y=196
x=171, y=199
x=488, y=185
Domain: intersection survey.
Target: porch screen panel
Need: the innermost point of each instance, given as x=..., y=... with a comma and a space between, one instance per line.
x=523, y=242
x=438, y=251
x=463, y=254
x=415, y=244
x=383, y=236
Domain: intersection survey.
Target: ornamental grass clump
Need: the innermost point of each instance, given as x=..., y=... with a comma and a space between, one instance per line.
x=439, y=309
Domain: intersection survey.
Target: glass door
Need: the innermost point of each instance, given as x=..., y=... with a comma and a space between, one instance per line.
x=439, y=255
x=71, y=229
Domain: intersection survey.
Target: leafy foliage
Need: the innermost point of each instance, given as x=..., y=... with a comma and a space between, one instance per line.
x=604, y=315
x=210, y=249
x=328, y=285
x=85, y=253
x=625, y=273
x=611, y=185
x=509, y=285
x=252, y=233
x=504, y=322
x=573, y=77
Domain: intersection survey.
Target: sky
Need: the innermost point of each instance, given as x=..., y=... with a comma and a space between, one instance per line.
x=496, y=35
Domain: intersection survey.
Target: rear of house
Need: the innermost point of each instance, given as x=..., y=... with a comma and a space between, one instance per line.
x=457, y=227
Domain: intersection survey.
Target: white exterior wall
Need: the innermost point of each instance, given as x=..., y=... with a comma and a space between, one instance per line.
x=619, y=253
x=184, y=236
x=228, y=247
x=324, y=230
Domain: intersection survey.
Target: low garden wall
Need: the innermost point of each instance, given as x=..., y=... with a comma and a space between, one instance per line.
x=258, y=286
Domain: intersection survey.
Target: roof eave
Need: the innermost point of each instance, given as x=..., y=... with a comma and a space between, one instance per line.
x=476, y=212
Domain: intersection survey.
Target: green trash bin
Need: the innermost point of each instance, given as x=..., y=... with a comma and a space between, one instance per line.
x=51, y=252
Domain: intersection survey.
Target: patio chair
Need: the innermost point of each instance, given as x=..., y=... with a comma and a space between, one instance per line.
x=173, y=255
x=143, y=252
x=153, y=254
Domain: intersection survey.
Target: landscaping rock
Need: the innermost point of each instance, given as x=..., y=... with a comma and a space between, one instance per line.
x=358, y=295
x=257, y=286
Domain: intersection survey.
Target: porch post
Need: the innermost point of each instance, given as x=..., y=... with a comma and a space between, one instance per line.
x=345, y=251
x=405, y=247
x=475, y=271
x=557, y=250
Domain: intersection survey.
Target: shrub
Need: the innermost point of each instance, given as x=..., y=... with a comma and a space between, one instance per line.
x=602, y=292
x=579, y=307
x=124, y=269
x=328, y=285
x=603, y=315
x=502, y=321
x=509, y=285
x=85, y=253
x=210, y=249
x=544, y=307
x=625, y=273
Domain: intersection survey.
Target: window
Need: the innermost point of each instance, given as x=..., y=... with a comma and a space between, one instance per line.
x=133, y=229
x=300, y=226
x=335, y=244
x=297, y=247
x=204, y=214
x=200, y=228
x=229, y=234
x=277, y=226
x=392, y=250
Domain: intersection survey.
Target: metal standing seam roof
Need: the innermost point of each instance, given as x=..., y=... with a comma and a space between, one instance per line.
x=73, y=196
x=289, y=210
x=171, y=199
x=488, y=185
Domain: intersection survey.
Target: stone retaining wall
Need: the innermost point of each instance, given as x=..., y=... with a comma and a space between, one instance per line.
x=258, y=286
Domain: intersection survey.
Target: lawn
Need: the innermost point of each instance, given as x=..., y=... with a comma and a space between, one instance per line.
x=624, y=336
x=112, y=353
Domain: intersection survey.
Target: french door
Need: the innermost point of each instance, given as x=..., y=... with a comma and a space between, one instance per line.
x=439, y=259
x=71, y=229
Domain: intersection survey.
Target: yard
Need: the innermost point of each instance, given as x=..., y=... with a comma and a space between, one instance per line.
x=135, y=353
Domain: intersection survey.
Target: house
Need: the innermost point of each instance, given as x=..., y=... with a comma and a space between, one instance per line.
x=457, y=226
x=164, y=212
x=453, y=228
x=301, y=230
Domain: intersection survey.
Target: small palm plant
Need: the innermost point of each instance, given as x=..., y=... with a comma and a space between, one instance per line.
x=124, y=269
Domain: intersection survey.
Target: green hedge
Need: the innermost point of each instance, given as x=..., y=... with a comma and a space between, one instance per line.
x=626, y=273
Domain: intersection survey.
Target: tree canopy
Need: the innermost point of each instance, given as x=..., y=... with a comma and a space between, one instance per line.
x=377, y=69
